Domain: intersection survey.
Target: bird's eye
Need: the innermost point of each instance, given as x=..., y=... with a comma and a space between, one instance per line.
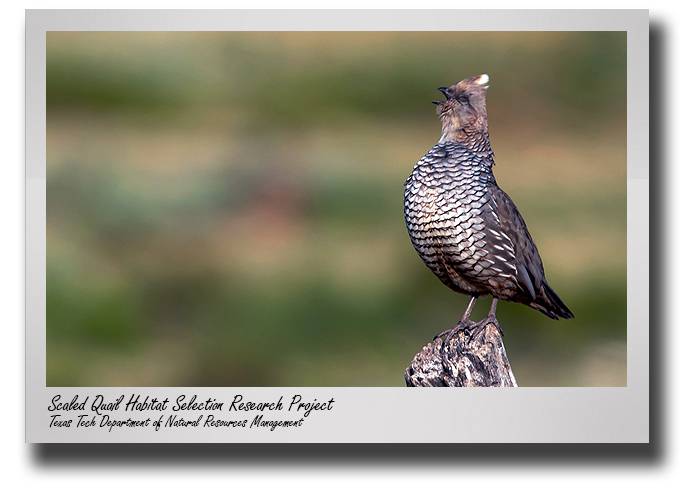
x=463, y=98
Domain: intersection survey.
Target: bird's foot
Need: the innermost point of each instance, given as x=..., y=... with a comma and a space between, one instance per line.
x=448, y=334
x=480, y=326
x=462, y=326
x=491, y=318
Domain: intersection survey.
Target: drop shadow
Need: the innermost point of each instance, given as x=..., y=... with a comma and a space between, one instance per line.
x=335, y=455
x=658, y=195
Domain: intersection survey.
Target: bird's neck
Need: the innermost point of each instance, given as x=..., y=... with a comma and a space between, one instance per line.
x=476, y=139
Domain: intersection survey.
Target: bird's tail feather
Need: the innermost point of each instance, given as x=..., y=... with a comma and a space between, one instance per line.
x=551, y=305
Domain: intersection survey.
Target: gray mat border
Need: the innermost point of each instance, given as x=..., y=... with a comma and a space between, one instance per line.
x=559, y=415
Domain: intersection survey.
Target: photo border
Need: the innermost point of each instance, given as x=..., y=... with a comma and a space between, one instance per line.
x=370, y=414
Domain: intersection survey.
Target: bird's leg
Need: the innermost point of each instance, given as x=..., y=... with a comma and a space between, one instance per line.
x=464, y=322
x=491, y=317
x=481, y=325
x=465, y=317
x=492, y=310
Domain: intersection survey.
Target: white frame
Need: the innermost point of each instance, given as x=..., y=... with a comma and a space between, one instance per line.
x=367, y=415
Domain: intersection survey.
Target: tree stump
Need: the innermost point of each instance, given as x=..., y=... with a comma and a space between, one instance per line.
x=473, y=358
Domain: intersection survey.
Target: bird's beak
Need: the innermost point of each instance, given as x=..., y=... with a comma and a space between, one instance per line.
x=445, y=91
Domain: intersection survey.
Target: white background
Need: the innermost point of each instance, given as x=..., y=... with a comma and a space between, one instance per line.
x=670, y=465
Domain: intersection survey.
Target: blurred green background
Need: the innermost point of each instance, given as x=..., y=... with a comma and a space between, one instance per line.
x=225, y=209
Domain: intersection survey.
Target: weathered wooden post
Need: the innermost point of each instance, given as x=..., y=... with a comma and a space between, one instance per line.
x=474, y=359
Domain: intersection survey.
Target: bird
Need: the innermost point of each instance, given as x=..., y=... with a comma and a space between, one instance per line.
x=464, y=227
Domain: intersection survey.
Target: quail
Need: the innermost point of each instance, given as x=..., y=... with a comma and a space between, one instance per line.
x=466, y=230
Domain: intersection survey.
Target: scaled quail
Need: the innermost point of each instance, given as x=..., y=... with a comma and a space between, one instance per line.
x=463, y=226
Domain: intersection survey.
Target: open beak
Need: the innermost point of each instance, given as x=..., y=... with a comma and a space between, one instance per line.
x=445, y=91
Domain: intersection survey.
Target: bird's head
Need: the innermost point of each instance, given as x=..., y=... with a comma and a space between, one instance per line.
x=464, y=106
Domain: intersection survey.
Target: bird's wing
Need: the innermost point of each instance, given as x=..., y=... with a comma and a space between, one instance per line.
x=508, y=234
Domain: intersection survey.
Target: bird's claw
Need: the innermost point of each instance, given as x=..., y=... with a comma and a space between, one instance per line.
x=462, y=326
x=491, y=318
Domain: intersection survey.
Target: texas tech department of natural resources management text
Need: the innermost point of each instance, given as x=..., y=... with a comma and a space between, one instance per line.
x=95, y=411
